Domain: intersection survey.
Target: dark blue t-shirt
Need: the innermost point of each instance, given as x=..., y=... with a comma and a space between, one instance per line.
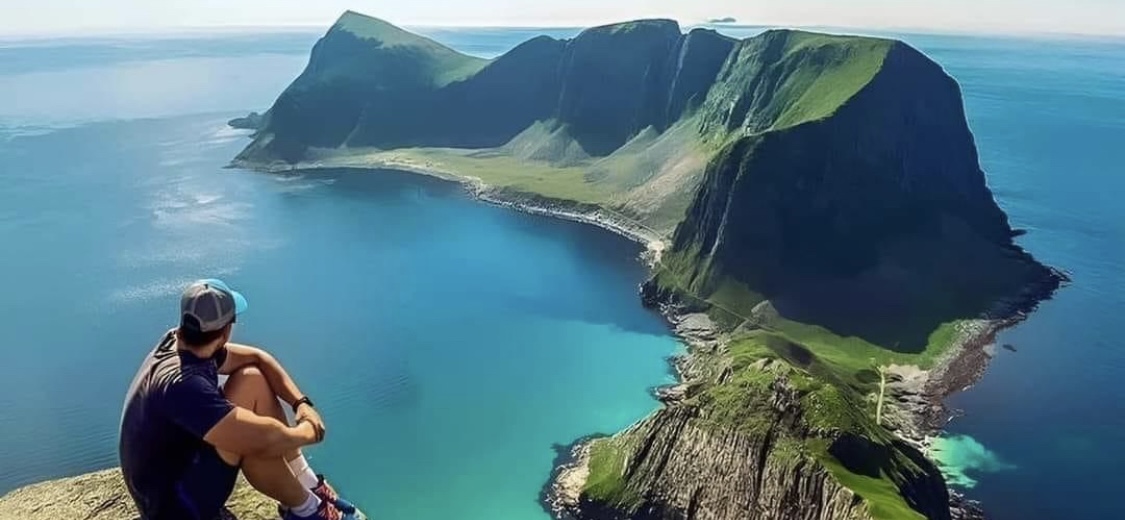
x=175, y=399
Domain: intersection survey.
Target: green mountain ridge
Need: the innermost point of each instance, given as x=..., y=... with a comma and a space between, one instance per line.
x=596, y=93
x=820, y=196
x=605, y=85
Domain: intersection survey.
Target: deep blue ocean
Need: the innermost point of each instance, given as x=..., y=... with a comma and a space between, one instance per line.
x=451, y=344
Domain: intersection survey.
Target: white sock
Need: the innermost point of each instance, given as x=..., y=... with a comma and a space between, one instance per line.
x=309, y=507
x=300, y=467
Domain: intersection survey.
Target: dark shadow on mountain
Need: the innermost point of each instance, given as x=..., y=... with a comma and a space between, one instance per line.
x=917, y=286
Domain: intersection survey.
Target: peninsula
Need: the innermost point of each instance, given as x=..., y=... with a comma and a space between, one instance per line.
x=819, y=229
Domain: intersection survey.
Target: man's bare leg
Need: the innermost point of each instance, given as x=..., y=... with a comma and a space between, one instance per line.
x=249, y=389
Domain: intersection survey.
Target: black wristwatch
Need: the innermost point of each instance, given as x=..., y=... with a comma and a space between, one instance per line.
x=304, y=400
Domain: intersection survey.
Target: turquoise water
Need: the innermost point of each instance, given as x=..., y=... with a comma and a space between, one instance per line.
x=452, y=343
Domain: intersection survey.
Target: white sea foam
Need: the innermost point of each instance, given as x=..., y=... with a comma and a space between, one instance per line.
x=959, y=455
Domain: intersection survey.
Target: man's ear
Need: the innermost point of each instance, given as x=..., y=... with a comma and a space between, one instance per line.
x=227, y=332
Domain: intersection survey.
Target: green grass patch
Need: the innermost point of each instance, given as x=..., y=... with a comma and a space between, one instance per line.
x=606, y=482
x=813, y=76
x=505, y=171
x=788, y=450
x=883, y=499
x=445, y=64
x=827, y=407
x=749, y=348
x=743, y=402
x=829, y=71
x=735, y=296
x=854, y=354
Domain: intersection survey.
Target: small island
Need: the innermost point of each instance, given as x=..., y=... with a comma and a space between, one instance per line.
x=819, y=230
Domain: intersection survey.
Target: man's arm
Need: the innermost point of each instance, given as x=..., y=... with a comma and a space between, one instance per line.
x=245, y=433
x=239, y=356
x=197, y=405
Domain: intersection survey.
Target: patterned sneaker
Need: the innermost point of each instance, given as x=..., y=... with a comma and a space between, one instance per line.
x=327, y=493
x=326, y=511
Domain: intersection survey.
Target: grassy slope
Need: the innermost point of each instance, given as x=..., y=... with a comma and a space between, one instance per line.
x=884, y=502
x=646, y=180
x=446, y=65
x=816, y=92
x=783, y=78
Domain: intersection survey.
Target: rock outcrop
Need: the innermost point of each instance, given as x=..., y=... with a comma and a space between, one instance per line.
x=682, y=469
x=102, y=496
x=751, y=442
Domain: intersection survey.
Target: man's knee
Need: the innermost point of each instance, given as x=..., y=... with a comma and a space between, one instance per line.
x=251, y=371
x=246, y=384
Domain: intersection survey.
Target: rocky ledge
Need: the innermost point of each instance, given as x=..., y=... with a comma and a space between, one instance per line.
x=102, y=496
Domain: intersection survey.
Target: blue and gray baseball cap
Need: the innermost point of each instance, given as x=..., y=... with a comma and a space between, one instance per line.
x=209, y=305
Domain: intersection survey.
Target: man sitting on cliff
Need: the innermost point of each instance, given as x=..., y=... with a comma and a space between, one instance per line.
x=184, y=438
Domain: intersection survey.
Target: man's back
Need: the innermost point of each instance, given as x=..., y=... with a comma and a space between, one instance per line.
x=173, y=400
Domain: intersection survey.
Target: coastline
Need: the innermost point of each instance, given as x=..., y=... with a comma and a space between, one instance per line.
x=921, y=402
x=653, y=241
x=920, y=399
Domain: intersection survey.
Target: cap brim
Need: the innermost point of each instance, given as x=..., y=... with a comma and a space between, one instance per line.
x=240, y=304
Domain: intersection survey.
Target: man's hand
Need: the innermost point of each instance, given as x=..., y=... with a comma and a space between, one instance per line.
x=245, y=433
x=306, y=413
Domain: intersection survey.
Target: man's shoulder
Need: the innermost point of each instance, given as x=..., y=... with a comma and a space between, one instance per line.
x=167, y=342
x=189, y=380
x=177, y=379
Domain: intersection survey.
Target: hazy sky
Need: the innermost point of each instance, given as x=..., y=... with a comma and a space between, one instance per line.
x=1073, y=16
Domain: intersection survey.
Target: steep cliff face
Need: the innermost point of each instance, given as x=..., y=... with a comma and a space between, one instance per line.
x=360, y=67
x=679, y=469
x=876, y=213
x=618, y=80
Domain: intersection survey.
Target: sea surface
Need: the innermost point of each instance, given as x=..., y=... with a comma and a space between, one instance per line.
x=450, y=344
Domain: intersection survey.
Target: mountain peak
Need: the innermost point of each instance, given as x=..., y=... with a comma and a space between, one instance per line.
x=367, y=27
x=649, y=24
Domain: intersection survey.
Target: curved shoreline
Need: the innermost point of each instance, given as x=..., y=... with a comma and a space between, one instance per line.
x=651, y=239
x=962, y=365
x=958, y=369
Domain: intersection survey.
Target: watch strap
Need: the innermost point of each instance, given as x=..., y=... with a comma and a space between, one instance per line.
x=304, y=400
